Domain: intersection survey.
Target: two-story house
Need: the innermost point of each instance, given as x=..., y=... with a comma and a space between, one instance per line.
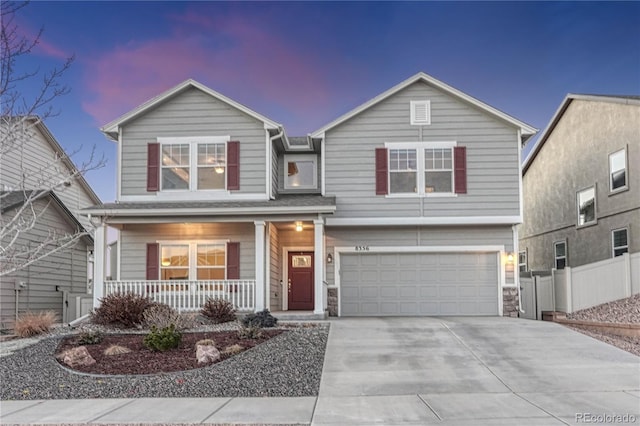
x=406, y=205
x=41, y=194
x=581, y=198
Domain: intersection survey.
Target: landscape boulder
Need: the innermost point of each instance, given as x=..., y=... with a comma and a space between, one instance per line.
x=207, y=354
x=77, y=357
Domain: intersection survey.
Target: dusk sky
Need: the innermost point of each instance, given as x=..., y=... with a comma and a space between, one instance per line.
x=305, y=64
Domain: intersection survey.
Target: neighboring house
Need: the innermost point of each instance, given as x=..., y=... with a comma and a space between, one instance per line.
x=33, y=167
x=407, y=205
x=581, y=185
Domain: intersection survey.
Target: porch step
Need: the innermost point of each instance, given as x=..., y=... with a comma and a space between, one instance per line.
x=299, y=316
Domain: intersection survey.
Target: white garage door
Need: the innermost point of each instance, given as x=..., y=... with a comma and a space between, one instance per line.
x=379, y=284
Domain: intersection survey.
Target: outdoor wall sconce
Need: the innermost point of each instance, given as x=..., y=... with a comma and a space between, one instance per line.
x=329, y=258
x=299, y=226
x=510, y=257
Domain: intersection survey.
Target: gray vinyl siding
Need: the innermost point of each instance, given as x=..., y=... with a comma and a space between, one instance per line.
x=281, y=176
x=275, y=288
x=193, y=113
x=67, y=269
x=492, y=158
x=418, y=236
x=134, y=239
x=40, y=166
x=576, y=156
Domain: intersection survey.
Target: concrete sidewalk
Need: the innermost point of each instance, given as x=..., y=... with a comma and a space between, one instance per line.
x=411, y=371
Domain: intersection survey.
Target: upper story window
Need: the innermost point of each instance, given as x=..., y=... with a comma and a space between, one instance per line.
x=198, y=163
x=560, y=254
x=301, y=171
x=421, y=168
x=618, y=170
x=619, y=241
x=586, y=202
x=420, y=113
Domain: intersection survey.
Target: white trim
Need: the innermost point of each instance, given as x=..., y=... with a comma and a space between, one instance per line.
x=202, y=195
x=301, y=157
x=613, y=247
x=114, y=126
x=99, y=262
x=267, y=264
x=595, y=207
x=412, y=106
x=626, y=171
x=285, y=271
x=442, y=220
x=526, y=129
x=520, y=183
x=119, y=166
x=555, y=254
x=322, y=168
x=260, y=260
x=183, y=140
x=269, y=157
x=499, y=250
x=119, y=254
x=318, y=266
x=208, y=211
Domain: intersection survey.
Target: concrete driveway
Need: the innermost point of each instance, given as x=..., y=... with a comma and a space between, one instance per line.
x=494, y=371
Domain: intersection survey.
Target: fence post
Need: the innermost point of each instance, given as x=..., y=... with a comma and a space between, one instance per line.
x=627, y=274
x=569, y=283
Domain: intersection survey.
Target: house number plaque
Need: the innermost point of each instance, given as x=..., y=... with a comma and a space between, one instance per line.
x=362, y=248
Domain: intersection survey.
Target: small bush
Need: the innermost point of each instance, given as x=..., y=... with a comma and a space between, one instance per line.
x=124, y=310
x=116, y=350
x=163, y=339
x=233, y=349
x=32, y=324
x=218, y=310
x=250, y=332
x=260, y=319
x=90, y=338
x=162, y=316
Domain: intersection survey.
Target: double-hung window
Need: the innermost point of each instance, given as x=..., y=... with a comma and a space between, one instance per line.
x=560, y=254
x=586, y=203
x=618, y=171
x=620, y=241
x=422, y=168
x=199, y=260
x=197, y=163
x=522, y=261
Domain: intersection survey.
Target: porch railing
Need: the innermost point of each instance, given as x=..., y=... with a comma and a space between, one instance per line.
x=189, y=296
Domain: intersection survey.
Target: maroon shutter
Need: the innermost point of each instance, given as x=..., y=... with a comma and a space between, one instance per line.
x=153, y=261
x=382, y=178
x=233, y=165
x=233, y=261
x=153, y=167
x=460, y=168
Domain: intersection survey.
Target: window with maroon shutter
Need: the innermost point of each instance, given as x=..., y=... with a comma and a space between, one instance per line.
x=153, y=167
x=460, y=169
x=382, y=171
x=153, y=261
x=233, y=165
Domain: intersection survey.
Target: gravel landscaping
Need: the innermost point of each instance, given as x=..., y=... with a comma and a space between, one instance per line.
x=287, y=365
x=625, y=311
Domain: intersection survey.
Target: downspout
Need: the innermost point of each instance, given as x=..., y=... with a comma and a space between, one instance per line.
x=516, y=271
x=270, y=165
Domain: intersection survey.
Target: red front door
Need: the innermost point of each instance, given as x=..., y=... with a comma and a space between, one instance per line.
x=300, y=282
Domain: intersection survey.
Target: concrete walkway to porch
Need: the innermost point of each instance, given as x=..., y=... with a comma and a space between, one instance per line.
x=410, y=371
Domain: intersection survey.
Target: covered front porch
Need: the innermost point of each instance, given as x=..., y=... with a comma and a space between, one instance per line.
x=274, y=261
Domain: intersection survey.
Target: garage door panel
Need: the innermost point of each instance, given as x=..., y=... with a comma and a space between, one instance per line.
x=419, y=284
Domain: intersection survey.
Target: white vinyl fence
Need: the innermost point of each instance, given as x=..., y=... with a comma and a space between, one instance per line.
x=572, y=289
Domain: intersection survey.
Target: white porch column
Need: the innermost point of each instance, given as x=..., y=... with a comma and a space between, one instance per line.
x=99, y=262
x=260, y=261
x=318, y=261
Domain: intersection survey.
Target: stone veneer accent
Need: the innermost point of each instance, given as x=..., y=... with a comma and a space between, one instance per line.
x=332, y=302
x=510, y=302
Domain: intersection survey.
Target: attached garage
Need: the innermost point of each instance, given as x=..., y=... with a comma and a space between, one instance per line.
x=426, y=284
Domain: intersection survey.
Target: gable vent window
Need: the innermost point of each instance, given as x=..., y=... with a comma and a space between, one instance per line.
x=420, y=113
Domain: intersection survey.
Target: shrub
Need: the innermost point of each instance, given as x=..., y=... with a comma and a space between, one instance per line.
x=260, y=319
x=32, y=324
x=250, y=332
x=233, y=349
x=116, y=350
x=162, y=316
x=218, y=310
x=163, y=339
x=90, y=338
x=123, y=310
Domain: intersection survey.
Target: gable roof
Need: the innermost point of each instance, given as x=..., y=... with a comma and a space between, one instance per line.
x=14, y=199
x=111, y=129
x=618, y=99
x=57, y=148
x=526, y=130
